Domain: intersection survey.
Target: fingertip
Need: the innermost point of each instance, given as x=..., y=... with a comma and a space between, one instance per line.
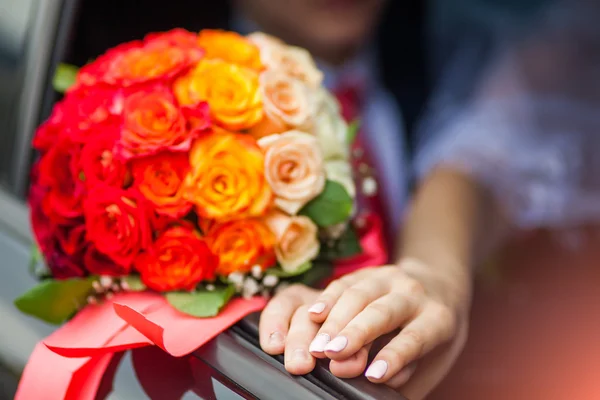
x=299, y=362
x=274, y=343
x=377, y=371
x=350, y=367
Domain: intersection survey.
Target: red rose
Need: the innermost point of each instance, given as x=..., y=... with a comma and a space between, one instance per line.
x=153, y=123
x=99, y=264
x=118, y=223
x=59, y=171
x=99, y=164
x=159, y=178
x=135, y=62
x=178, y=260
x=72, y=238
x=88, y=108
x=50, y=131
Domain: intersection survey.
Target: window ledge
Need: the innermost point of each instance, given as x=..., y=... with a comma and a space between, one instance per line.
x=14, y=217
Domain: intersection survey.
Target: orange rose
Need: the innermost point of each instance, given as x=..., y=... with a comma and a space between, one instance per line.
x=178, y=260
x=136, y=62
x=231, y=91
x=241, y=244
x=230, y=47
x=153, y=122
x=227, y=177
x=159, y=178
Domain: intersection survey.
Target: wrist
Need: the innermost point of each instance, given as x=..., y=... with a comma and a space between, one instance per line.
x=445, y=282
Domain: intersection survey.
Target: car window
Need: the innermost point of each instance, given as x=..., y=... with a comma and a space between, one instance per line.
x=28, y=31
x=15, y=21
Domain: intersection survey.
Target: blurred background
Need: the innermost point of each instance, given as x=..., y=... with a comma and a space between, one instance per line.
x=535, y=321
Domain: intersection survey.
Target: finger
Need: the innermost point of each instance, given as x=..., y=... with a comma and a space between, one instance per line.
x=434, y=326
x=403, y=376
x=349, y=305
x=378, y=318
x=277, y=315
x=320, y=308
x=353, y=366
x=298, y=360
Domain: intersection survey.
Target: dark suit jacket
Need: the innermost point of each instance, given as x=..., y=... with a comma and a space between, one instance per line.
x=103, y=24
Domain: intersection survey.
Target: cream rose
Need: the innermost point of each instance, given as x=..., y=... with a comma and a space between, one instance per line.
x=264, y=41
x=294, y=168
x=340, y=171
x=287, y=100
x=330, y=128
x=297, y=239
x=294, y=61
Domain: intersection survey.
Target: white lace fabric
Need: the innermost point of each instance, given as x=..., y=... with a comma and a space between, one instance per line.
x=529, y=129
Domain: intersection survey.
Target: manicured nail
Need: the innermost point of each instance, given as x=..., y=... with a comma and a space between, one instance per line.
x=299, y=355
x=317, y=308
x=377, y=370
x=337, y=344
x=275, y=339
x=319, y=343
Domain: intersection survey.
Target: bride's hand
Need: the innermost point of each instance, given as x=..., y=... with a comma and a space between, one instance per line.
x=346, y=318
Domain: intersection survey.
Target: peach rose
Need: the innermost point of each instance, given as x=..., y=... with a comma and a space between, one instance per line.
x=293, y=61
x=297, y=240
x=226, y=179
x=287, y=100
x=231, y=91
x=293, y=168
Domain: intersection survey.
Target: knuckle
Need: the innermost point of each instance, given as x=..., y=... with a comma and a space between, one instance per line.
x=414, y=287
x=339, y=285
x=448, y=320
x=381, y=311
x=414, y=339
x=291, y=291
x=356, y=293
x=394, y=356
x=357, y=334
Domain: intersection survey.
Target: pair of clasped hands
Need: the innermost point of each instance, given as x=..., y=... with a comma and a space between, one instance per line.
x=344, y=322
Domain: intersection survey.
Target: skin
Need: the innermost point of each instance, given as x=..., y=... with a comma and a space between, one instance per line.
x=336, y=30
x=419, y=305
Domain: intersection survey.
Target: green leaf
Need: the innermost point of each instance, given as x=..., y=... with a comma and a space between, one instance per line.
x=345, y=246
x=55, y=301
x=201, y=303
x=134, y=283
x=332, y=206
x=353, y=129
x=314, y=276
x=280, y=273
x=64, y=77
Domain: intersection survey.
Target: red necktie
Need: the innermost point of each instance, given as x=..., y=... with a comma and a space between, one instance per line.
x=371, y=217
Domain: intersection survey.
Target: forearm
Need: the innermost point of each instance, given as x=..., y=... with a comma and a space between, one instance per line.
x=453, y=223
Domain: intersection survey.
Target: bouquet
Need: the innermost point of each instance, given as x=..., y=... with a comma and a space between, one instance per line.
x=199, y=166
x=186, y=170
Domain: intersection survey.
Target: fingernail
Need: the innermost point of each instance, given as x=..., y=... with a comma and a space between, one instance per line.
x=299, y=355
x=319, y=343
x=275, y=339
x=337, y=344
x=377, y=370
x=317, y=308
